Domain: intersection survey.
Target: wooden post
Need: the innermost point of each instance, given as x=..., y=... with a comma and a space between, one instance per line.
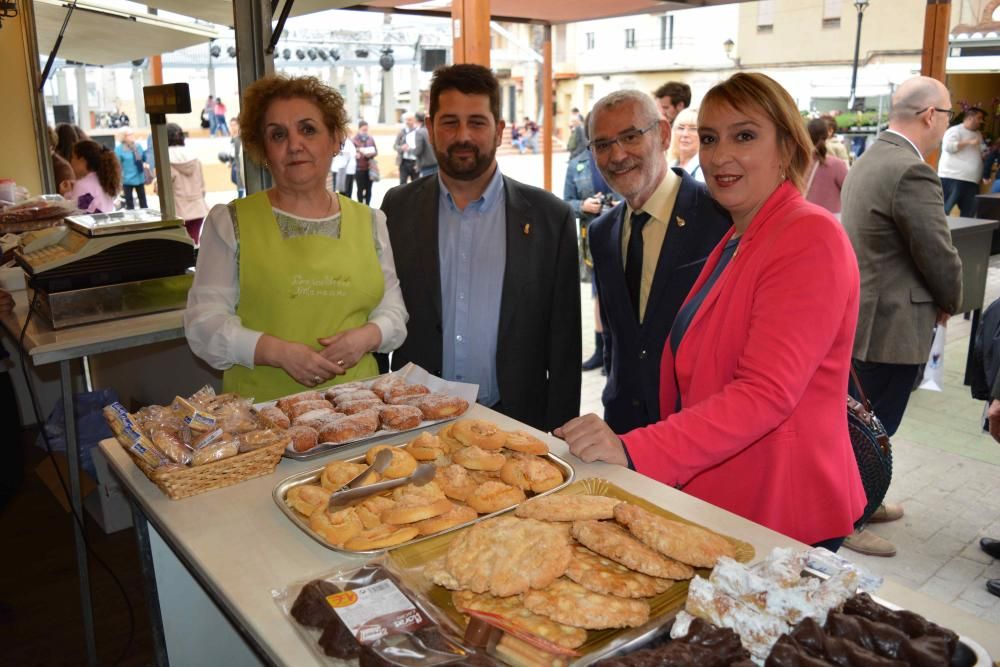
x=547, y=116
x=470, y=32
x=156, y=70
x=936, y=19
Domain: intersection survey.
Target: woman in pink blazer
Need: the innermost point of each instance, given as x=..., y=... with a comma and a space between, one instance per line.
x=754, y=374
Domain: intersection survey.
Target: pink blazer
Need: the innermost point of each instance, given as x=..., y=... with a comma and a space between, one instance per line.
x=762, y=372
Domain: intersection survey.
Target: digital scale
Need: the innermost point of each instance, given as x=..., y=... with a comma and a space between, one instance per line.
x=107, y=266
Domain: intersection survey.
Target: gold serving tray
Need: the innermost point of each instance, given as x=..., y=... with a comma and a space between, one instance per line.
x=311, y=477
x=409, y=560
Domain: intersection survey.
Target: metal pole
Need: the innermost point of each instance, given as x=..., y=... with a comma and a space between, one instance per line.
x=857, y=52
x=252, y=23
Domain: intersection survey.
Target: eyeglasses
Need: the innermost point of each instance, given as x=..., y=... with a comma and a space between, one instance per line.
x=627, y=139
x=950, y=113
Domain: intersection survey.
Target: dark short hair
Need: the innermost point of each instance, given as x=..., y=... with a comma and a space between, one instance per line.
x=175, y=135
x=677, y=92
x=467, y=79
x=975, y=110
x=420, y=116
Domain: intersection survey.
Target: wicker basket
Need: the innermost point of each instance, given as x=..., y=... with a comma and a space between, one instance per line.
x=197, y=479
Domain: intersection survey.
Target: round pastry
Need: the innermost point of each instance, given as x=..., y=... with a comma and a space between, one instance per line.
x=448, y=438
x=455, y=481
x=429, y=491
x=272, y=416
x=303, y=437
x=491, y=497
x=305, y=498
x=338, y=473
x=442, y=406
x=302, y=407
x=426, y=447
x=530, y=473
x=400, y=417
x=458, y=514
x=402, y=463
x=350, y=427
x=284, y=403
x=413, y=508
x=524, y=442
x=370, y=510
x=381, y=537
x=356, y=395
x=400, y=390
x=480, y=476
x=360, y=405
x=479, y=433
x=476, y=458
x=338, y=527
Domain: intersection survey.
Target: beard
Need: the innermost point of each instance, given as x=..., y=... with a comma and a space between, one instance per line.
x=464, y=168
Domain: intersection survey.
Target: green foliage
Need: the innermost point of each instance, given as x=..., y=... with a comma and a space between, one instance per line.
x=845, y=121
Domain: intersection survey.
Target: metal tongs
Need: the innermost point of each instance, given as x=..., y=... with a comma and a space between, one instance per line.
x=353, y=493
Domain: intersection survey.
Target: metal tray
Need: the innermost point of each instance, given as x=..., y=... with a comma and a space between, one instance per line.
x=309, y=477
x=409, y=559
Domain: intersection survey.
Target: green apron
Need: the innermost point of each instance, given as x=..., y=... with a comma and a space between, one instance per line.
x=302, y=288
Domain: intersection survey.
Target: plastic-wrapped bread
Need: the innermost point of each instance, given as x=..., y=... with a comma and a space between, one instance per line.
x=226, y=446
x=169, y=443
x=758, y=630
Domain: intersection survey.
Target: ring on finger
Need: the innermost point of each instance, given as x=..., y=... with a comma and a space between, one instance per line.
x=317, y=379
x=340, y=362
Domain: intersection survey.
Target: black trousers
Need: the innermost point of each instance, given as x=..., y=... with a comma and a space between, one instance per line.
x=140, y=190
x=348, y=185
x=407, y=171
x=364, y=186
x=888, y=387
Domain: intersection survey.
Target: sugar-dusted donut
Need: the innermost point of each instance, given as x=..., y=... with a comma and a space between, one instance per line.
x=441, y=406
x=384, y=384
x=303, y=437
x=400, y=417
x=350, y=427
x=302, y=407
x=359, y=405
x=401, y=390
x=284, y=403
x=272, y=416
x=355, y=395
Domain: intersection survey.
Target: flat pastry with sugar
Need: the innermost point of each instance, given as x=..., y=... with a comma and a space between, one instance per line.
x=381, y=537
x=565, y=507
x=475, y=458
x=305, y=498
x=512, y=610
x=603, y=575
x=455, y=481
x=457, y=515
x=338, y=473
x=336, y=527
x=493, y=496
x=401, y=465
x=611, y=540
x=524, y=442
x=479, y=433
x=530, y=473
x=681, y=541
x=507, y=556
x=568, y=602
x=427, y=447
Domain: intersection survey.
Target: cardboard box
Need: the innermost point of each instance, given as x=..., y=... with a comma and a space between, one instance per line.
x=109, y=506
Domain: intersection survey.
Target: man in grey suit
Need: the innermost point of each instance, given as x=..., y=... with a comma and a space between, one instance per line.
x=911, y=275
x=487, y=265
x=427, y=163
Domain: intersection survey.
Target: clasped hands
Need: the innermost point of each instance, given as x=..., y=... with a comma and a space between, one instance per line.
x=311, y=367
x=591, y=439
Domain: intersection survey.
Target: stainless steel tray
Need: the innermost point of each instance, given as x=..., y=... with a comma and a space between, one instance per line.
x=323, y=449
x=308, y=477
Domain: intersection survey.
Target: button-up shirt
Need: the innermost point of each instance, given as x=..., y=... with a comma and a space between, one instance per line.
x=473, y=251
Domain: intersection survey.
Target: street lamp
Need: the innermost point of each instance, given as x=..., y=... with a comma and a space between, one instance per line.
x=861, y=6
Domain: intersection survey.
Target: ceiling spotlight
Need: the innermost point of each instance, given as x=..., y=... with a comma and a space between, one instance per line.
x=286, y=54
x=139, y=63
x=311, y=53
x=231, y=51
x=361, y=53
x=300, y=54
x=215, y=50
x=335, y=54
x=322, y=54
x=386, y=60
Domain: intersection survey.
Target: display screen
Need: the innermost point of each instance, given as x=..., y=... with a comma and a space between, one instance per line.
x=168, y=98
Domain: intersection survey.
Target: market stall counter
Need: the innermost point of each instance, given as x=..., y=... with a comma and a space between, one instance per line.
x=214, y=559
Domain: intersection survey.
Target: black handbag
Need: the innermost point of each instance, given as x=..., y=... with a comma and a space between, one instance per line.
x=871, y=449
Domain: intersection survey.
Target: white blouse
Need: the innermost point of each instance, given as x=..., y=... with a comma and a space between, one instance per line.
x=214, y=330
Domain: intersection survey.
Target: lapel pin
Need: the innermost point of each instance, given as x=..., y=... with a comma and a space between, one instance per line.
x=527, y=229
x=681, y=221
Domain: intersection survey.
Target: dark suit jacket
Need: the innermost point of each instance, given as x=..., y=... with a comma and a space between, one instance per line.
x=538, y=342
x=631, y=396
x=893, y=212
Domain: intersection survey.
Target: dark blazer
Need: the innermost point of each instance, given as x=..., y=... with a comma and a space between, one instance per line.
x=893, y=212
x=631, y=396
x=538, y=342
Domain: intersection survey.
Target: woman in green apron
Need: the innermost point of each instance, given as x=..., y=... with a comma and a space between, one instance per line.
x=295, y=286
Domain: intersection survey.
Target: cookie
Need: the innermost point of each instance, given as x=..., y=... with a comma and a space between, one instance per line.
x=603, y=575
x=507, y=556
x=569, y=508
x=681, y=541
x=568, y=602
x=512, y=610
x=612, y=541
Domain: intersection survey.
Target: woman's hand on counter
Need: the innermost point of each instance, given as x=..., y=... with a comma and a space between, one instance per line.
x=591, y=439
x=346, y=348
x=304, y=364
x=6, y=302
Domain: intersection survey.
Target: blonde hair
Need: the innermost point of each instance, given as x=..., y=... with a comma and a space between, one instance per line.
x=753, y=91
x=685, y=117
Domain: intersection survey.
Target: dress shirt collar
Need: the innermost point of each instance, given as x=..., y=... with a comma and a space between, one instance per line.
x=489, y=198
x=899, y=134
x=660, y=204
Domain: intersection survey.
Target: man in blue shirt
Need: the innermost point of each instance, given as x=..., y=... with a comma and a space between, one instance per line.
x=487, y=265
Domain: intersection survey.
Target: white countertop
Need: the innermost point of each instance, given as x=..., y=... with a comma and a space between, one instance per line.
x=240, y=546
x=46, y=345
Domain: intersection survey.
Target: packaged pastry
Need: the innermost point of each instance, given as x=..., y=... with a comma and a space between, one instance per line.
x=368, y=614
x=226, y=446
x=168, y=442
x=254, y=440
x=199, y=440
x=192, y=415
x=131, y=437
x=236, y=416
x=203, y=398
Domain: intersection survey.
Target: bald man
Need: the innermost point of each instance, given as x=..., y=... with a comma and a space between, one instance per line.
x=911, y=275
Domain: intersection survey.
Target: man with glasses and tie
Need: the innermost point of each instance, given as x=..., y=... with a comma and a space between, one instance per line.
x=911, y=274
x=648, y=250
